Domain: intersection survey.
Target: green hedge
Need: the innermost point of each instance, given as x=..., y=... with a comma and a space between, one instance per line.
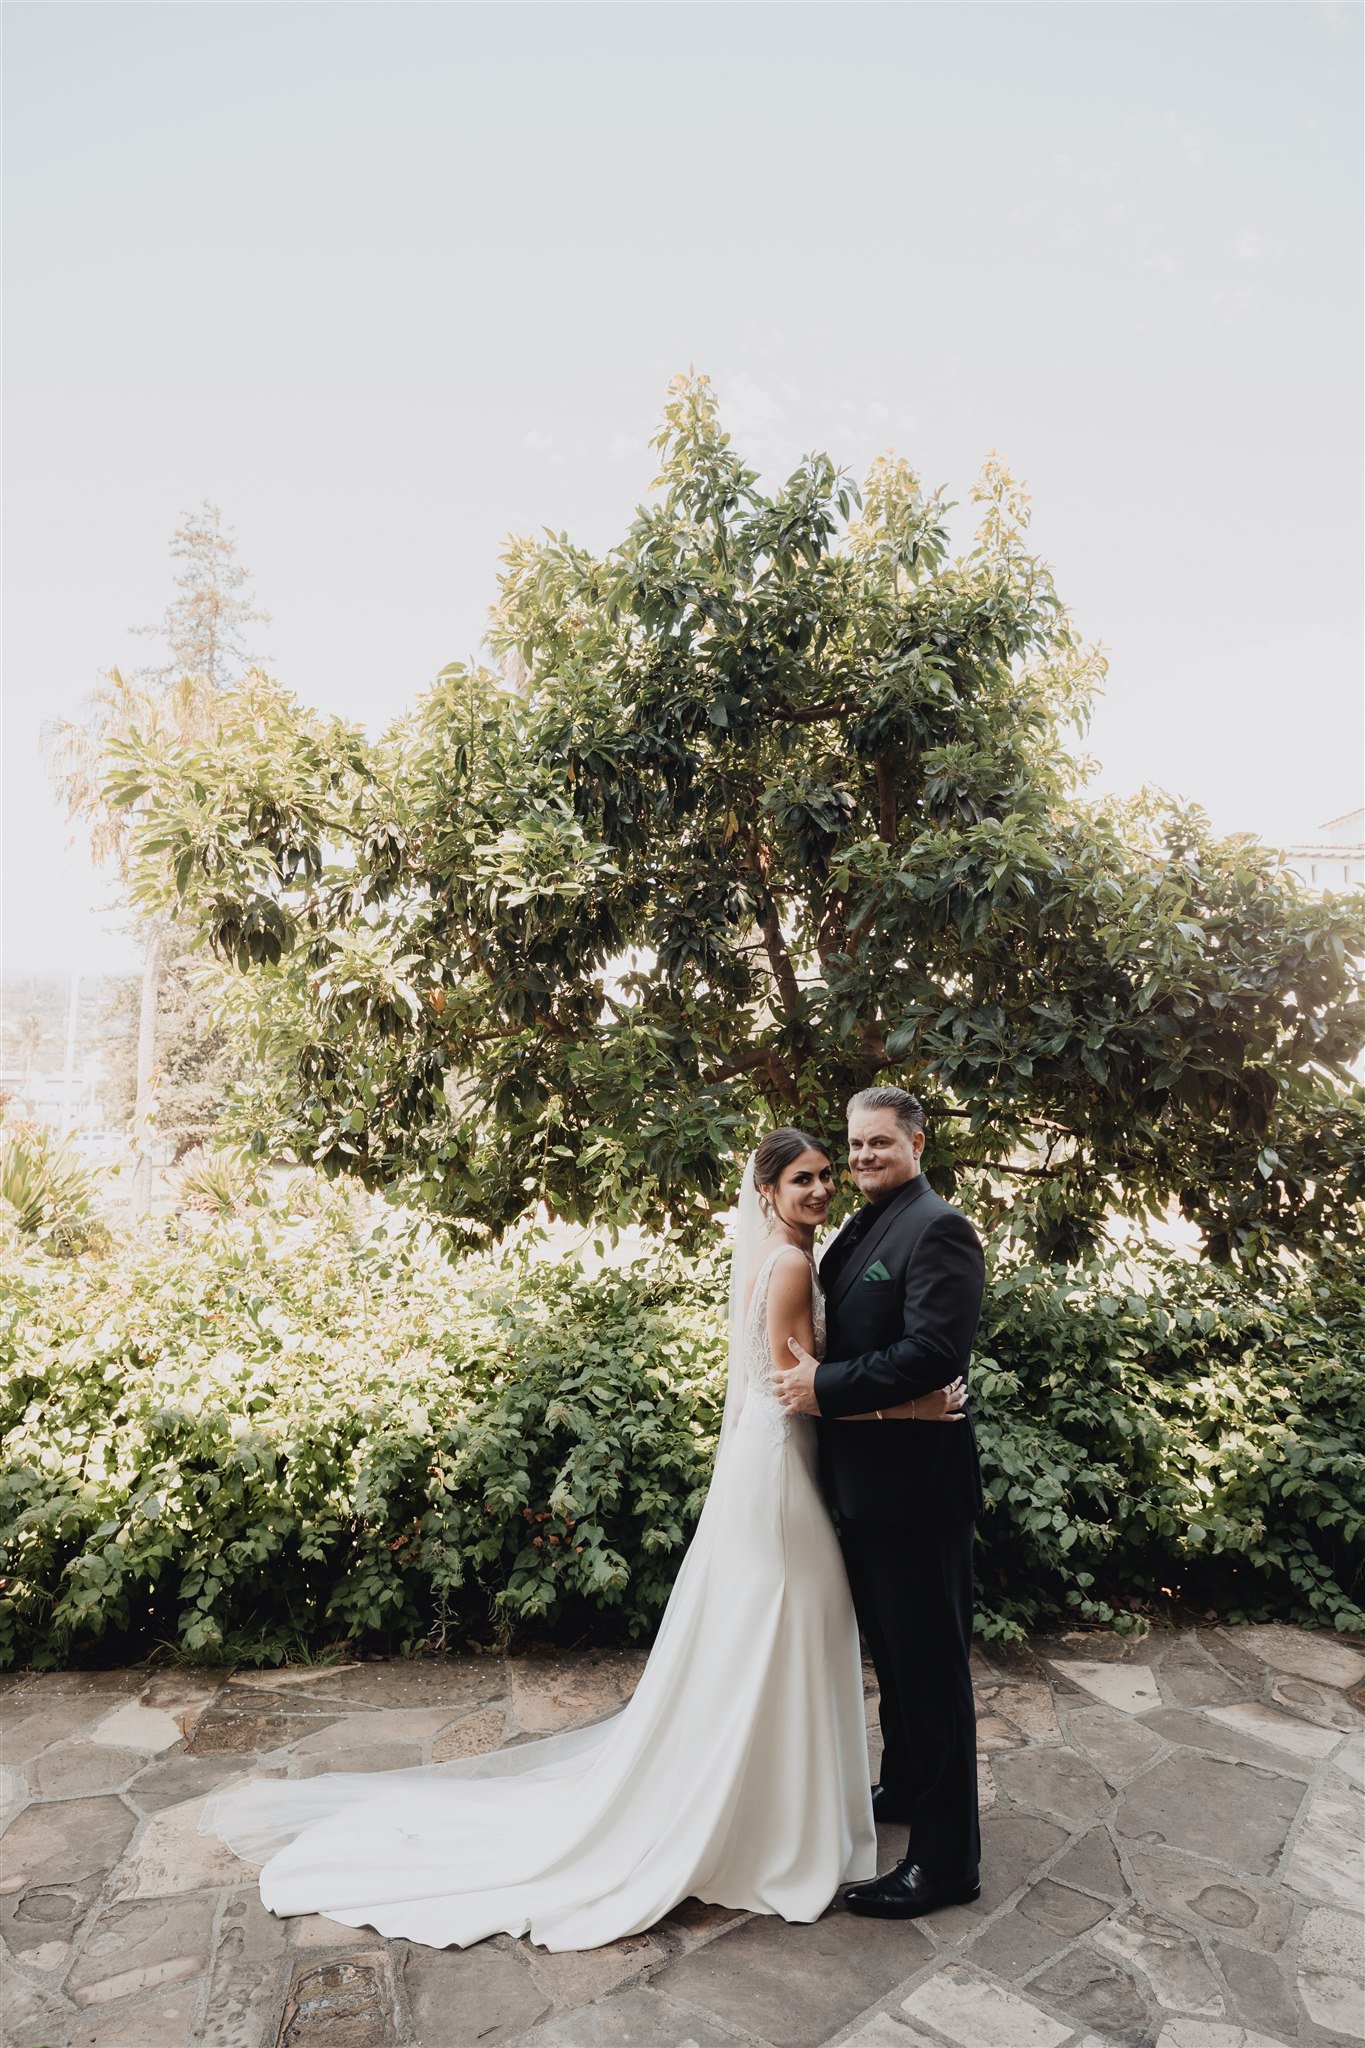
x=276, y=1435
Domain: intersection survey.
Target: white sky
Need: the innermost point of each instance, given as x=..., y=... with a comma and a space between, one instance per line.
x=389, y=281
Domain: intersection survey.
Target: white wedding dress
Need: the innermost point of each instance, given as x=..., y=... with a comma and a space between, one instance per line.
x=737, y=1774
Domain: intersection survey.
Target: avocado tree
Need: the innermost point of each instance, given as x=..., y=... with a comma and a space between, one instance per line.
x=783, y=800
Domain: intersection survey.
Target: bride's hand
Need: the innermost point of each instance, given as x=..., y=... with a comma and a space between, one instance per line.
x=945, y=1404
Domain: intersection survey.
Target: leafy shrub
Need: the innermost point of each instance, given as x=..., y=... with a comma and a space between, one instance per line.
x=1156, y=1430
x=286, y=1432
x=267, y=1438
x=47, y=1191
x=219, y=1182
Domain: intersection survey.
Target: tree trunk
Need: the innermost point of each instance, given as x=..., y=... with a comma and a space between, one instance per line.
x=143, y=1113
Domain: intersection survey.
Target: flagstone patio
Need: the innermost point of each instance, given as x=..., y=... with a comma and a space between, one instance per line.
x=1173, y=1859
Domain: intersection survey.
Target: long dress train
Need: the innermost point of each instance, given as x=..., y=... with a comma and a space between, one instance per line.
x=737, y=1773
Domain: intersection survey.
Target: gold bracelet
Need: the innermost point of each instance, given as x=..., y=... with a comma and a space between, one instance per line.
x=878, y=1413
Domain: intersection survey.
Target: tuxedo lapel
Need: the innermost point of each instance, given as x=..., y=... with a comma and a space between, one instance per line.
x=866, y=1249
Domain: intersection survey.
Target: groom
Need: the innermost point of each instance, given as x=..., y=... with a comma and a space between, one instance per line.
x=903, y=1283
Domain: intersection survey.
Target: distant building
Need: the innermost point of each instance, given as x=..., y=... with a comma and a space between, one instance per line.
x=1335, y=858
x=72, y=1105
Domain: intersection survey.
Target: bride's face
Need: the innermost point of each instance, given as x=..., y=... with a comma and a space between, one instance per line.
x=804, y=1191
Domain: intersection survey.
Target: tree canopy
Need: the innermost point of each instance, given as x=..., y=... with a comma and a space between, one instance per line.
x=775, y=799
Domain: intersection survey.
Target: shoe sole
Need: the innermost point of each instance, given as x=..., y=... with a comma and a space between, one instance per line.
x=887, y=1910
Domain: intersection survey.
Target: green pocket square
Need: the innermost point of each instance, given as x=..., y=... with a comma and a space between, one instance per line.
x=876, y=1271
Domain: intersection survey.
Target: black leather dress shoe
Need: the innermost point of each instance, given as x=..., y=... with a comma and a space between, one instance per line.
x=907, y=1891
x=887, y=1808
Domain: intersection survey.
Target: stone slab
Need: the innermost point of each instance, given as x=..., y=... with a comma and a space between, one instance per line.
x=794, y=1986
x=73, y=1769
x=68, y=1841
x=455, y=1682
x=1258, y=1993
x=34, y=2017
x=1212, y=1901
x=380, y=1756
x=174, y=1778
x=1046, y=1920
x=250, y=1964
x=1096, y=1989
x=974, y=2013
x=1092, y=1864
x=1233, y=1813
x=172, y=1856
x=1270, y=1724
x=1190, y=1677
x=1168, y=1957
x=1192, y=2033
x=1328, y=1859
x=1053, y=1781
x=550, y=1692
x=381, y=1724
x=316, y=1931
x=993, y=1733
x=133, y=1726
x=486, y=1994
x=162, y=2019
x=580, y=1977
x=1025, y=1704
x=1117, y=1745
x=134, y=1949
x=475, y=1735
x=638, y=2018
x=1305, y=1653
x=1132, y=1688
x=51, y=1957
x=1315, y=1703
x=883, y=2031
x=1186, y=1730
x=55, y=1722
x=1349, y=1760
x=1330, y=1965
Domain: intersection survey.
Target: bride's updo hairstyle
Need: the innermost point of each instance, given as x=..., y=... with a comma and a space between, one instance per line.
x=776, y=1152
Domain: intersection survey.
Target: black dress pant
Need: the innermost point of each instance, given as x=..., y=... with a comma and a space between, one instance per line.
x=912, y=1588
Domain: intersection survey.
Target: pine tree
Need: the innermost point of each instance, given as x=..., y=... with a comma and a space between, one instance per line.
x=204, y=629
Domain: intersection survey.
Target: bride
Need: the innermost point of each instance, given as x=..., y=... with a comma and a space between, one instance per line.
x=737, y=1774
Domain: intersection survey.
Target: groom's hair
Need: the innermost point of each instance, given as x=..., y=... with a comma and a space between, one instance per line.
x=909, y=1111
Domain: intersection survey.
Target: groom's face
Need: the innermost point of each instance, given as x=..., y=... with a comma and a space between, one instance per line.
x=882, y=1154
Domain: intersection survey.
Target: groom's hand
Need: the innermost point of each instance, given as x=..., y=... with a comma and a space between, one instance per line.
x=796, y=1386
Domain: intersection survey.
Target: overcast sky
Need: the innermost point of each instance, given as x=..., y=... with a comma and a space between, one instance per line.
x=387, y=282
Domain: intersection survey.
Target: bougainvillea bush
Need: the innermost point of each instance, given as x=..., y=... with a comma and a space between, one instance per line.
x=283, y=1432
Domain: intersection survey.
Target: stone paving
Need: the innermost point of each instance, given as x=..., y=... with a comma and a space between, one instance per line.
x=1173, y=1859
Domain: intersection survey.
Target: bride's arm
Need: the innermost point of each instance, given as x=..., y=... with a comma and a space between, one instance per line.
x=789, y=1306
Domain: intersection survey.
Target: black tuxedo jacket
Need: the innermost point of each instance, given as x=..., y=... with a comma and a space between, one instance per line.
x=901, y=1310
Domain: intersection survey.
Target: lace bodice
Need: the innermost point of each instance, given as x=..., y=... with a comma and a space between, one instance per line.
x=761, y=1404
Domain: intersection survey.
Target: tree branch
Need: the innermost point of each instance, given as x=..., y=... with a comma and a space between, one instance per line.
x=886, y=800
x=784, y=974
x=760, y=1056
